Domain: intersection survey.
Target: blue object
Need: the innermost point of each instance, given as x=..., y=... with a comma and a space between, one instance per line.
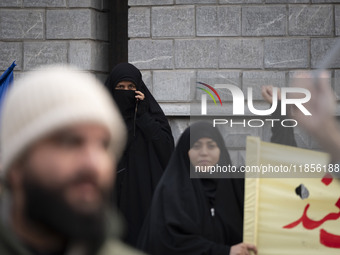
x=6, y=80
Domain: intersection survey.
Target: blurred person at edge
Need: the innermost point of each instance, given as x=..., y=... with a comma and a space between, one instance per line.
x=149, y=146
x=321, y=125
x=196, y=216
x=61, y=137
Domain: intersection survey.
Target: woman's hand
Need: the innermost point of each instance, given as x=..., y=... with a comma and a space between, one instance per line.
x=242, y=249
x=267, y=93
x=140, y=95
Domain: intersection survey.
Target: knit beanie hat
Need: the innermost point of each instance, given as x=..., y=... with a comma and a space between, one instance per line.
x=52, y=98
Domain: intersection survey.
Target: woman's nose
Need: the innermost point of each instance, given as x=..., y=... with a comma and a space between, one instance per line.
x=203, y=150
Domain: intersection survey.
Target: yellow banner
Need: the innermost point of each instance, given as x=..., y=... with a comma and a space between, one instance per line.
x=291, y=215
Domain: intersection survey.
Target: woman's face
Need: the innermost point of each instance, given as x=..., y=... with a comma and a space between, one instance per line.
x=204, y=152
x=125, y=85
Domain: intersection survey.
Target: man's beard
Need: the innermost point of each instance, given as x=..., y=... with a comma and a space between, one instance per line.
x=48, y=209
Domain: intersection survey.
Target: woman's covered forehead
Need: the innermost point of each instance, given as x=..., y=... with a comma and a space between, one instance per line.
x=125, y=72
x=205, y=140
x=205, y=130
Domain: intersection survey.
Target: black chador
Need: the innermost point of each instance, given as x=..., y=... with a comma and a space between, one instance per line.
x=198, y=216
x=149, y=147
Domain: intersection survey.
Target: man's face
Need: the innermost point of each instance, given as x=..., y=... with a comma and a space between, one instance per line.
x=76, y=164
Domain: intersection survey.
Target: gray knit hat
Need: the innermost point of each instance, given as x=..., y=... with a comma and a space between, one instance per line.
x=51, y=98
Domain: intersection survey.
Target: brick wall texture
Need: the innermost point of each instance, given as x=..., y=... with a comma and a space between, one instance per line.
x=247, y=42
x=37, y=32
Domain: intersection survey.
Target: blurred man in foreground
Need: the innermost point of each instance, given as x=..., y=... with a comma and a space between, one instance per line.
x=61, y=137
x=321, y=125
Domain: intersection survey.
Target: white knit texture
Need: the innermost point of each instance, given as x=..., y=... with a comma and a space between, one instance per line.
x=51, y=98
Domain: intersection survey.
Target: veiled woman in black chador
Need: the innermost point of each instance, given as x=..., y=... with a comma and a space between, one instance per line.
x=199, y=216
x=149, y=147
x=195, y=216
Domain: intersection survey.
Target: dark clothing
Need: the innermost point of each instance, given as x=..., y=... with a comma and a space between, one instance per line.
x=197, y=216
x=149, y=147
x=10, y=244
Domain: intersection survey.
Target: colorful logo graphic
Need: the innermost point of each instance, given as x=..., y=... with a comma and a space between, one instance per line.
x=239, y=102
x=208, y=92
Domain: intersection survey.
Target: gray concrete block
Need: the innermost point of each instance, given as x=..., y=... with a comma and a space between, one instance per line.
x=218, y=20
x=302, y=139
x=266, y=132
x=196, y=53
x=291, y=74
x=337, y=111
x=42, y=53
x=175, y=109
x=286, y=53
x=89, y=55
x=196, y=1
x=44, y=3
x=241, y=53
x=231, y=1
x=241, y=158
x=10, y=51
x=172, y=85
x=151, y=54
x=240, y=1
x=337, y=19
x=70, y=24
x=149, y=2
x=101, y=25
x=319, y=49
x=218, y=77
x=100, y=56
x=257, y=79
x=287, y=1
x=311, y=20
x=314, y=145
x=336, y=84
x=264, y=20
x=10, y=3
x=235, y=136
x=325, y=1
x=178, y=125
x=147, y=78
x=139, y=22
x=173, y=21
x=21, y=24
x=234, y=157
x=96, y=4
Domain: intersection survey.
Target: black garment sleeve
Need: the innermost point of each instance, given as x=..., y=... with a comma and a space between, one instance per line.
x=143, y=107
x=280, y=134
x=184, y=242
x=151, y=128
x=161, y=138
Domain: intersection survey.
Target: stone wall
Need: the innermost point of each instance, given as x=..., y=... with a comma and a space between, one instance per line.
x=248, y=42
x=37, y=32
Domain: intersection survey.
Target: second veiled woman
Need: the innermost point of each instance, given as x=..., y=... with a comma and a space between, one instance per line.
x=149, y=147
